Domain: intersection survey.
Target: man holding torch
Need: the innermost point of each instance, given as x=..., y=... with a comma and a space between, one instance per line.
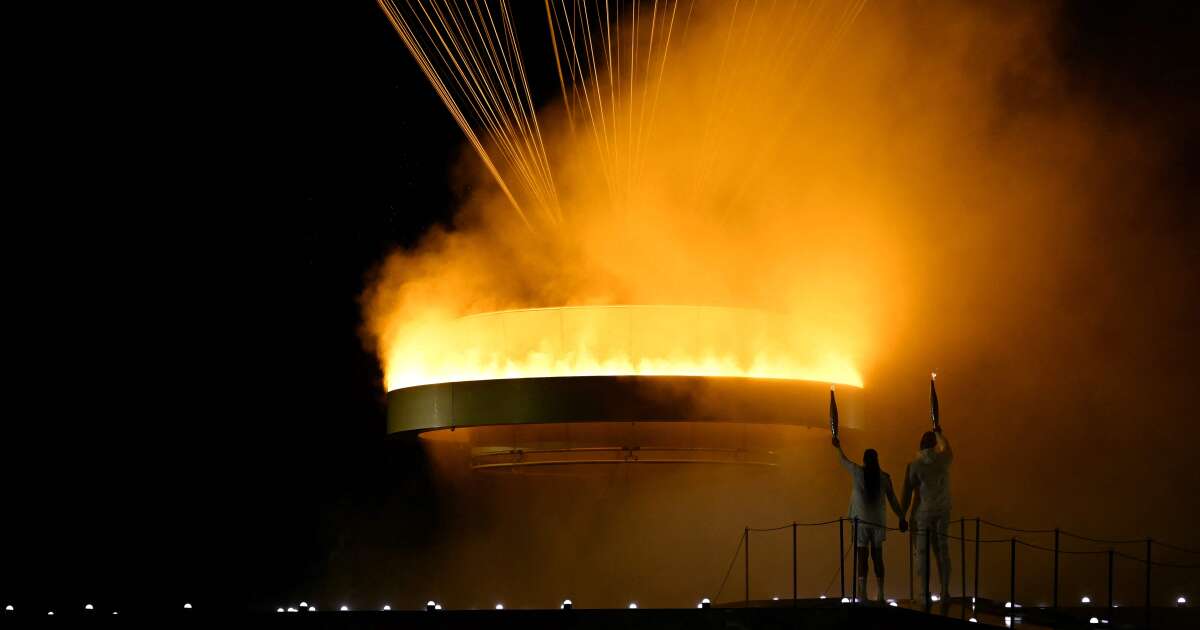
x=929, y=477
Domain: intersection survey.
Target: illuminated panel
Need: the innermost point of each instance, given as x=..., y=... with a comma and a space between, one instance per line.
x=554, y=400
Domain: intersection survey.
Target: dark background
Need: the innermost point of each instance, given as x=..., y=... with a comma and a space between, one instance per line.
x=196, y=205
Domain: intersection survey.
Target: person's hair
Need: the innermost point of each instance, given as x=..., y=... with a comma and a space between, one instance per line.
x=871, y=475
x=928, y=440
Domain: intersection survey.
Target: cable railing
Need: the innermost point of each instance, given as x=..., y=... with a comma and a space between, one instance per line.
x=1147, y=560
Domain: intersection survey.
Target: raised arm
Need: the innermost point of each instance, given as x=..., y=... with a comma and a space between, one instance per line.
x=846, y=463
x=943, y=446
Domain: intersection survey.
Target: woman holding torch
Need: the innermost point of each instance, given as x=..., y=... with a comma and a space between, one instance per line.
x=869, y=486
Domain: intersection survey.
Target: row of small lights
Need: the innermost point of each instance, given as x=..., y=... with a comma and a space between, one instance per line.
x=9, y=608
x=704, y=603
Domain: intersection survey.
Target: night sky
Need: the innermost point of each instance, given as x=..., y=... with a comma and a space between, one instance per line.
x=193, y=415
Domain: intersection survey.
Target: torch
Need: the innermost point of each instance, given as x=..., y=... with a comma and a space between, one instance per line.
x=833, y=413
x=933, y=401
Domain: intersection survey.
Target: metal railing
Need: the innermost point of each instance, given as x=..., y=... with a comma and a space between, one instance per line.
x=743, y=548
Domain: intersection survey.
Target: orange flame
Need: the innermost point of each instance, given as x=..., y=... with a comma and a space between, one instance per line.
x=614, y=341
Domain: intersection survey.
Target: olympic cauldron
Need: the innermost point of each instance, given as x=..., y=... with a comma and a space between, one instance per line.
x=572, y=386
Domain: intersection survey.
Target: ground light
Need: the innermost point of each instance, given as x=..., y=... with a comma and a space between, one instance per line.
x=1182, y=601
x=1093, y=620
x=704, y=603
x=279, y=610
x=845, y=600
x=775, y=599
x=632, y=605
x=290, y=609
x=499, y=606
x=973, y=620
x=304, y=604
x=1085, y=600
x=566, y=605
x=89, y=607
x=430, y=605
x=344, y=608
x=437, y=606
x=822, y=596
x=386, y=607
x=893, y=604
x=935, y=597
x=8, y=608
x=50, y=613
x=312, y=609
x=187, y=606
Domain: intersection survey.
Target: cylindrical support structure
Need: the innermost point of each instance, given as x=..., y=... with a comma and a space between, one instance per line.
x=854, y=566
x=1012, y=572
x=794, y=564
x=962, y=555
x=1110, y=578
x=976, y=592
x=926, y=565
x=1056, y=551
x=842, y=557
x=747, y=538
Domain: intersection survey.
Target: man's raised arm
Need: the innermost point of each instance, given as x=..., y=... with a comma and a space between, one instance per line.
x=943, y=446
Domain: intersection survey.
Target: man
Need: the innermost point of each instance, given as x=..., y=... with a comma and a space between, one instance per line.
x=929, y=476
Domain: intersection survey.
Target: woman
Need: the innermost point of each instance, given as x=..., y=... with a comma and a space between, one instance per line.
x=869, y=487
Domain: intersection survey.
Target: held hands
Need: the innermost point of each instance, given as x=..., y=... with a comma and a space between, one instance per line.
x=903, y=526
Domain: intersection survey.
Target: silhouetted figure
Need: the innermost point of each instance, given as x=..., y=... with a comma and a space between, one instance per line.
x=869, y=487
x=929, y=476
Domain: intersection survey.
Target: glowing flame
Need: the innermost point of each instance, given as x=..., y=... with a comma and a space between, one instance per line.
x=613, y=341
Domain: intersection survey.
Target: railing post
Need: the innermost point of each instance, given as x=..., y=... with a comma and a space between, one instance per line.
x=842, y=557
x=962, y=556
x=1148, y=543
x=976, y=593
x=912, y=549
x=1055, y=599
x=854, y=567
x=1110, y=578
x=746, y=603
x=927, y=565
x=793, y=564
x=1012, y=572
